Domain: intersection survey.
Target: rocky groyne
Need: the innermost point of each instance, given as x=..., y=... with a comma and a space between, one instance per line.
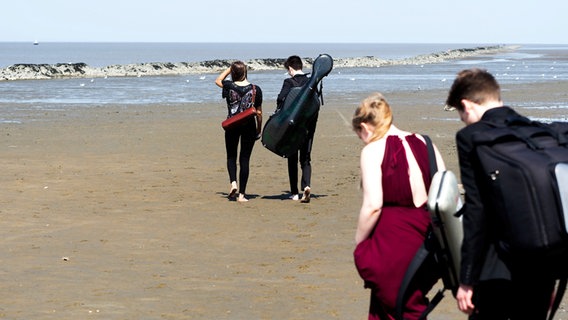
x=82, y=70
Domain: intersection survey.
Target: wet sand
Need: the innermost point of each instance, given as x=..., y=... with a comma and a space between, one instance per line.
x=121, y=213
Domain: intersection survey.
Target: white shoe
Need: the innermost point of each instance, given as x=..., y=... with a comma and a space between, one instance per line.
x=306, y=195
x=295, y=197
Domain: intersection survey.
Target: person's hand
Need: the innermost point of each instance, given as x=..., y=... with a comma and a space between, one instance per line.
x=463, y=297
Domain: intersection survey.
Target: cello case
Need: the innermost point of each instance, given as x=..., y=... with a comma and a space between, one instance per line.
x=285, y=130
x=444, y=202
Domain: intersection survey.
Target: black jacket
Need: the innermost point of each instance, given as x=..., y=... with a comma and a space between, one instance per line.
x=295, y=81
x=479, y=259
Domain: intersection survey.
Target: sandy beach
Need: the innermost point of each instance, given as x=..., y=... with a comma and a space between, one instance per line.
x=121, y=212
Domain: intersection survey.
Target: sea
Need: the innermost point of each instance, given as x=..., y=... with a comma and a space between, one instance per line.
x=528, y=63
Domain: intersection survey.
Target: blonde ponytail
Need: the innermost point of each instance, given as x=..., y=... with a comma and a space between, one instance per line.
x=376, y=111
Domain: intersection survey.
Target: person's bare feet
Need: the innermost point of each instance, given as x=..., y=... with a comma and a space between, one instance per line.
x=306, y=195
x=242, y=198
x=233, y=189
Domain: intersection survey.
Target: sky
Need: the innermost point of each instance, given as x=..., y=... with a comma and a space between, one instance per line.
x=287, y=21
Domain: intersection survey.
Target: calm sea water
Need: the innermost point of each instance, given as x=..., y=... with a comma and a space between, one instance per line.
x=528, y=64
x=104, y=54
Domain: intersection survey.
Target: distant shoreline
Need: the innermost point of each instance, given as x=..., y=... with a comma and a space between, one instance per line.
x=82, y=70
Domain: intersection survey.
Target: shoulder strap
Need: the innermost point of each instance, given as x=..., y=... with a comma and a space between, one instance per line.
x=558, y=297
x=561, y=129
x=424, y=252
x=413, y=267
x=431, y=155
x=320, y=92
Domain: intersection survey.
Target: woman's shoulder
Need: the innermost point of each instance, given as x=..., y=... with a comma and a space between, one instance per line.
x=228, y=84
x=256, y=87
x=373, y=154
x=374, y=146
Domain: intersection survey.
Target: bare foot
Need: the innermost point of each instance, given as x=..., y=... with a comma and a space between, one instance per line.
x=233, y=189
x=306, y=195
x=242, y=198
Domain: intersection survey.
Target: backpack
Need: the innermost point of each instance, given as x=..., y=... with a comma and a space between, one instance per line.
x=241, y=109
x=240, y=103
x=439, y=252
x=525, y=187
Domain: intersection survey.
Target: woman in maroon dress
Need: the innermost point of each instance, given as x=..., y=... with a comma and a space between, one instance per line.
x=393, y=220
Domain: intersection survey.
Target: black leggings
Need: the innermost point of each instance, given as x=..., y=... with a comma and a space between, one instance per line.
x=247, y=135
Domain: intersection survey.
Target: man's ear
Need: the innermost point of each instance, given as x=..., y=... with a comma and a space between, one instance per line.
x=291, y=71
x=473, y=111
x=468, y=106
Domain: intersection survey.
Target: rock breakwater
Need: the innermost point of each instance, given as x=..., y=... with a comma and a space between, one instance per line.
x=82, y=70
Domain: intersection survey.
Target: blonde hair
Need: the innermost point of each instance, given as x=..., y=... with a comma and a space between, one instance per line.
x=376, y=111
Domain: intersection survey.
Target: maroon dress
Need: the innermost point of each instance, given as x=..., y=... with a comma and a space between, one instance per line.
x=383, y=258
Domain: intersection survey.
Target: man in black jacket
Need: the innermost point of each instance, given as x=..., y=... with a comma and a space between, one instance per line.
x=298, y=78
x=490, y=287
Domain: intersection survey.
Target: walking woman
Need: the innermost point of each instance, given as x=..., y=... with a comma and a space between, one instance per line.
x=393, y=220
x=239, y=92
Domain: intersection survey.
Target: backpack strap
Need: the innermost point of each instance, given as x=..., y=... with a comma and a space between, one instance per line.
x=413, y=267
x=562, y=138
x=431, y=155
x=424, y=252
x=253, y=95
x=558, y=297
x=320, y=92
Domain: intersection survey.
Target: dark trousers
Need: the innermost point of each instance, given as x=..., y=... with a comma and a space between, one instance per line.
x=247, y=136
x=526, y=297
x=305, y=159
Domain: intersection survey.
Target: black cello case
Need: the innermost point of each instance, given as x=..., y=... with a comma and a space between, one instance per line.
x=285, y=131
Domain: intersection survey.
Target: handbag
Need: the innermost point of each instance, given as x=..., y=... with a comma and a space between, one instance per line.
x=241, y=117
x=238, y=119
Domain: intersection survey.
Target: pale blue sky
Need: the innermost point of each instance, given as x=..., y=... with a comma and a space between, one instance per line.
x=378, y=21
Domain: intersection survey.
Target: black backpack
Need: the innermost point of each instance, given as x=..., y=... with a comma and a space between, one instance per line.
x=525, y=187
x=525, y=172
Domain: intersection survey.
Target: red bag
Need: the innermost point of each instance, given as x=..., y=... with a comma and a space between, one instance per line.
x=241, y=117
x=238, y=119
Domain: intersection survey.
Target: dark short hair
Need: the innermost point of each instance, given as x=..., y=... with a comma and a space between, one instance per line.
x=238, y=71
x=476, y=85
x=294, y=62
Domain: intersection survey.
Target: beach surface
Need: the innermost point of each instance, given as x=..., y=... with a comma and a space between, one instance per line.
x=121, y=212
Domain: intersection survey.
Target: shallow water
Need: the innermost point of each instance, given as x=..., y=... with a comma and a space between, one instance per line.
x=527, y=64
